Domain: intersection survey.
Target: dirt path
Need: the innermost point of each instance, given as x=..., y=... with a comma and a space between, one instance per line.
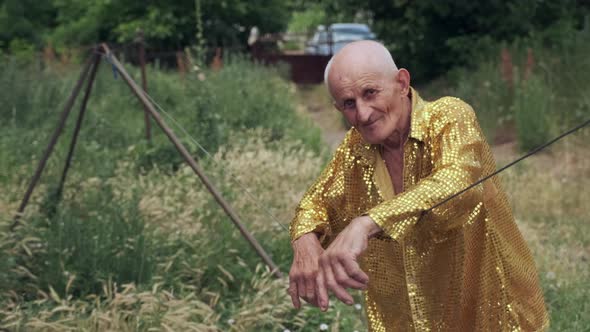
x=316, y=103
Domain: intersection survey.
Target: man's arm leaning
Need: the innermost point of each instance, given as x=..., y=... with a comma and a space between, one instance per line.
x=456, y=144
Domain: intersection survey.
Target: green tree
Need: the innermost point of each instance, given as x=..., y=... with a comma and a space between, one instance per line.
x=23, y=22
x=167, y=25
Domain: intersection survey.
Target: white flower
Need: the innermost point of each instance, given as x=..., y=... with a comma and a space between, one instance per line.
x=323, y=327
x=550, y=275
x=286, y=330
x=357, y=306
x=231, y=321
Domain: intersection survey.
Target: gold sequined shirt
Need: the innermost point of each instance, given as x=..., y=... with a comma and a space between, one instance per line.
x=463, y=266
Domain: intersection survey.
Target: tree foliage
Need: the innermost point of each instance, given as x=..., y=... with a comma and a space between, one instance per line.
x=166, y=24
x=430, y=36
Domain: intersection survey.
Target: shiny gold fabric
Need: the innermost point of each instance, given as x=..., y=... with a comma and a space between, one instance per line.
x=464, y=266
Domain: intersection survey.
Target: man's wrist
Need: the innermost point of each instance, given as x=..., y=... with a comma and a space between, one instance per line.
x=367, y=225
x=307, y=237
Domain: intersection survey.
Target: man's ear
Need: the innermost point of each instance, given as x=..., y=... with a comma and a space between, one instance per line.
x=403, y=79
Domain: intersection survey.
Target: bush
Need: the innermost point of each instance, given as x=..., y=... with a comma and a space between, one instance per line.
x=533, y=113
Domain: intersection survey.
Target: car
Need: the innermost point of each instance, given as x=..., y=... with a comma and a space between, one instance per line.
x=329, y=41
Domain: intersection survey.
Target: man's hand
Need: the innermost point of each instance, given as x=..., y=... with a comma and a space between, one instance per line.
x=302, y=277
x=338, y=265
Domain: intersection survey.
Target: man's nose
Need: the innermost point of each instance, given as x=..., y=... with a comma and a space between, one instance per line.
x=363, y=112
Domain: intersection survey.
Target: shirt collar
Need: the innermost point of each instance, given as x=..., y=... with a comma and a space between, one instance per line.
x=417, y=116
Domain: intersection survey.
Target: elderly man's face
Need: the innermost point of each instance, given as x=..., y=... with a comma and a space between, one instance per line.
x=371, y=102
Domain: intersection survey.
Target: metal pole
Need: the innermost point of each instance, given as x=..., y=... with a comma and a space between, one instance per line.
x=141, y=45
x=52, y=141
x=89, y=84
x=192, y=163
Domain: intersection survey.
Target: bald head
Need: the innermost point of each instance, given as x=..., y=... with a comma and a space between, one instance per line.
x=364, y=56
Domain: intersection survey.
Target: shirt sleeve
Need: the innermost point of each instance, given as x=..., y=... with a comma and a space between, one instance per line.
x=456, y=147
x=312, y=213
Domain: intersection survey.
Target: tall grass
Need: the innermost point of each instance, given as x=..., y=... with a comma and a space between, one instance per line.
x=548, y=196
x=137, y=249
x=137, y=242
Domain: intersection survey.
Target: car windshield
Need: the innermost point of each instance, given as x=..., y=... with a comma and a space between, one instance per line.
x=350, y=30
x=349, y=34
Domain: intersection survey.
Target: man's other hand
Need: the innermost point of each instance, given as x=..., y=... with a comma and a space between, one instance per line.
x=302, y=277
x=338, y=266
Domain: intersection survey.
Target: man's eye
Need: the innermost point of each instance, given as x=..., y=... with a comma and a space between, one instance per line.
x=370, y=92
x=348, y=104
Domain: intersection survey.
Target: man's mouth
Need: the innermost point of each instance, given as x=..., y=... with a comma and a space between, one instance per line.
x=370, y=124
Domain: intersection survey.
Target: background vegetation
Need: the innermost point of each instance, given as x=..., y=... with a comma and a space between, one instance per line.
x=137, y=244
x=459, y=33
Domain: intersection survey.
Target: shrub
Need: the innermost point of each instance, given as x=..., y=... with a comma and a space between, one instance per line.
x=533, y=113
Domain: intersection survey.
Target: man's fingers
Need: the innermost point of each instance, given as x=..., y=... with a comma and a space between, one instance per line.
x=301, y=288
x=353, y=270
x=310, y=289
x=345, y=280
x=333, y=285
x=294, y=295
x=322, y=292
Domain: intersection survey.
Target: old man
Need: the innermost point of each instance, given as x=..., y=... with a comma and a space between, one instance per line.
x=367, y=222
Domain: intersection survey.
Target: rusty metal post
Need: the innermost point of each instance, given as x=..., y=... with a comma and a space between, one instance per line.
x=181, y=64
x=89, y=84
x=141, y=46
x=56, y=133
x=192, y=163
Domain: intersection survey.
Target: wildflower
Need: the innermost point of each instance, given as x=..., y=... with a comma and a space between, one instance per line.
x=357, y=306
x=550, y=275
x=231, y=321
x=323, y=327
